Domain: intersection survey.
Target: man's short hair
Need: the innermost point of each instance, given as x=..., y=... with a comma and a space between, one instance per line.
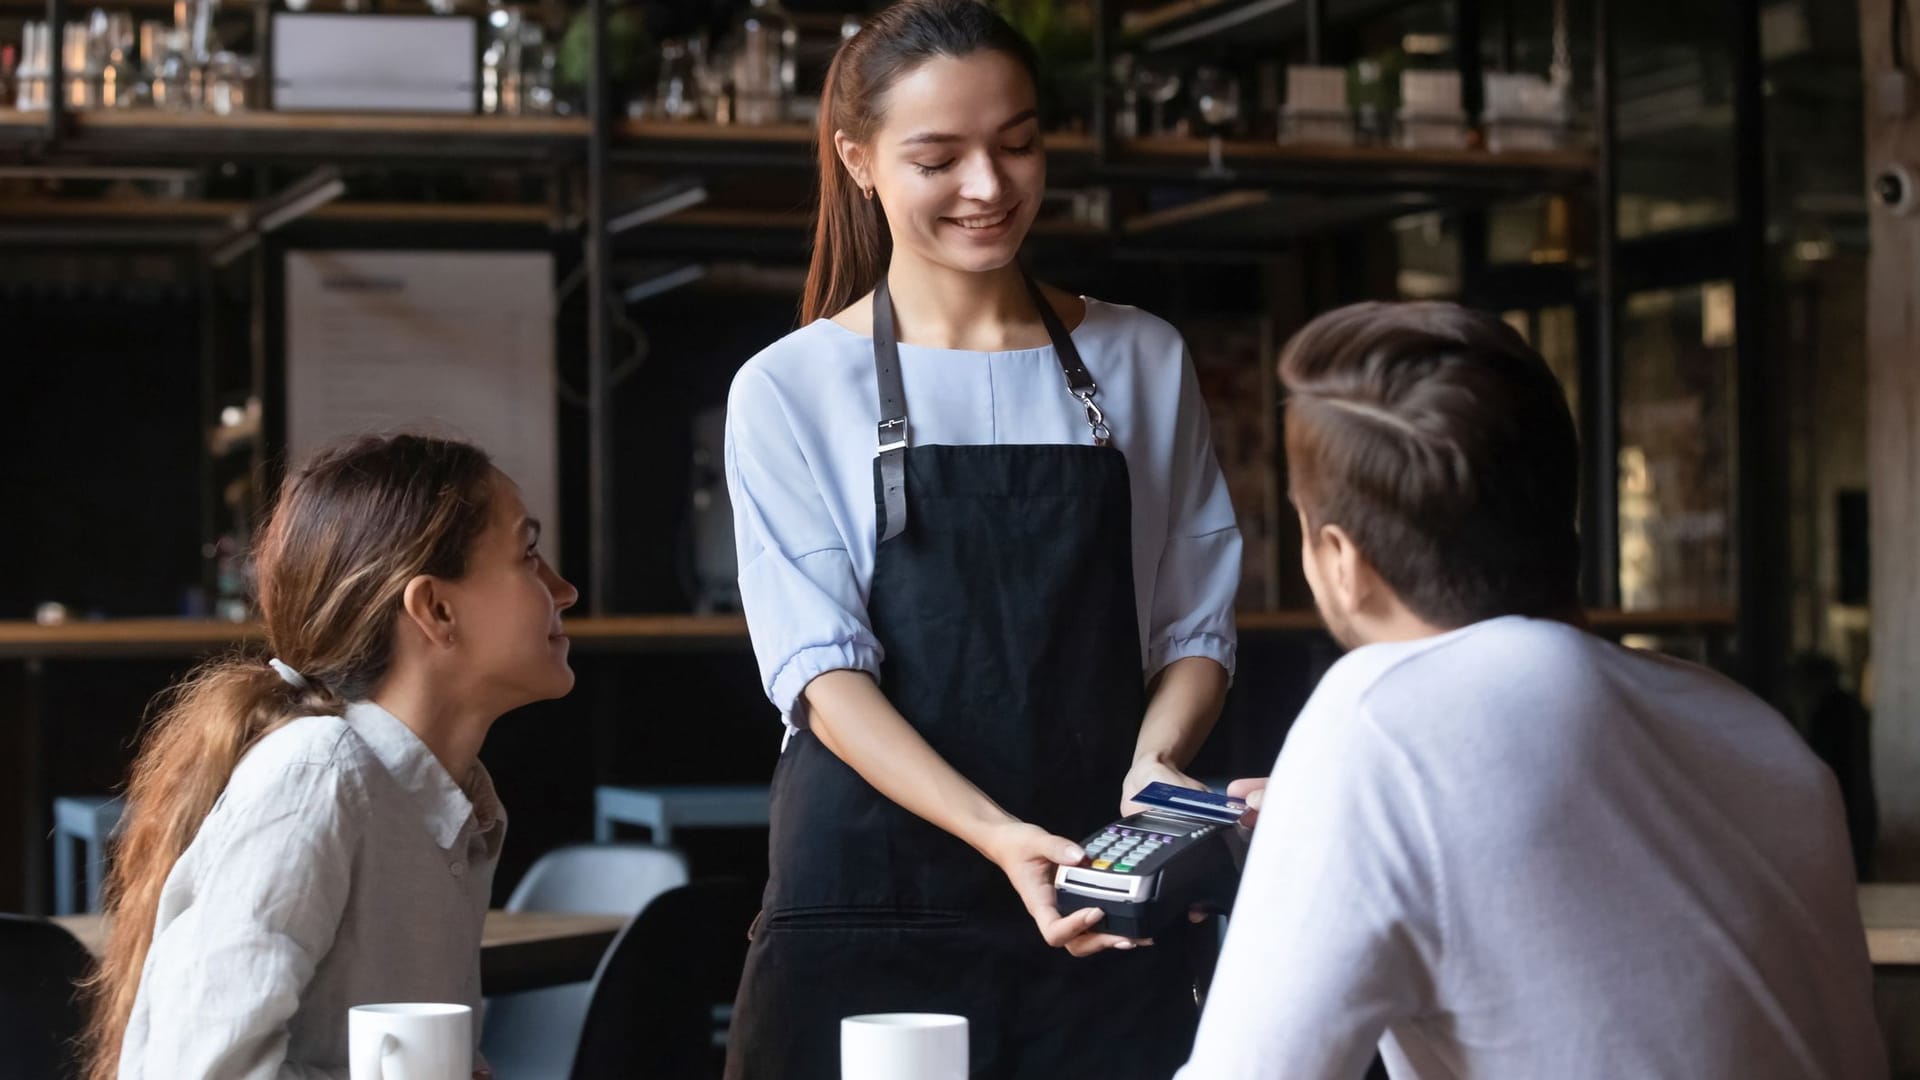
x=1441, y=443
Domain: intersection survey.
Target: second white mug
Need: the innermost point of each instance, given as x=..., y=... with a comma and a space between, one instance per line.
x=410, y=1041
x=902, y=1046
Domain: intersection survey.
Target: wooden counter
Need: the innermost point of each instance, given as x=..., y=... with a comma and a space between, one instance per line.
x=639, y=633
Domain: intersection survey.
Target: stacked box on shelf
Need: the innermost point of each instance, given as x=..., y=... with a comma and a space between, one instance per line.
x=1524, y=112
x=1431, y=117
x=1316, y=110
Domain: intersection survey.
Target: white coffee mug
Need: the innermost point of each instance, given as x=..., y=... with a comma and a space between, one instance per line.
x=902, y=1046
x=410, y=1041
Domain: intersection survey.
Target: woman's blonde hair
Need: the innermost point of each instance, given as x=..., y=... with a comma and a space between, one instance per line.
x=351, y=528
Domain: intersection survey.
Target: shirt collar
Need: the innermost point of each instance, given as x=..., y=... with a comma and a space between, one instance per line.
x=443, y=806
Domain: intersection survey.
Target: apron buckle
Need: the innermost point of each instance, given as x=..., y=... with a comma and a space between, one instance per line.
x=893, y=434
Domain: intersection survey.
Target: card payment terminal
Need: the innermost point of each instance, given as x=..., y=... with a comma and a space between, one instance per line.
x=1148, y=869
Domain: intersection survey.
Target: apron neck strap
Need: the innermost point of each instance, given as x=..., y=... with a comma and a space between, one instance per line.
x=892, y=433
x=886, y=349
x=1076, y=372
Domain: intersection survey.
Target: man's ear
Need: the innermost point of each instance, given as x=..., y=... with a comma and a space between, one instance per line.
x=1344, y=566
x=427, y=606
x=1361, y=585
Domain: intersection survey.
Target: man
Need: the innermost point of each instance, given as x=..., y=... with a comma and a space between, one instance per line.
x=1495, y=844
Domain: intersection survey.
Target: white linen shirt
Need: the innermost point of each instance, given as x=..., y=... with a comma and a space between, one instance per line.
x=341, y=866
x=800, y=447
x=1519, y=851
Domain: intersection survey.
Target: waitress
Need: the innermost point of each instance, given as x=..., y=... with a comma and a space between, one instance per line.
x=989, y=563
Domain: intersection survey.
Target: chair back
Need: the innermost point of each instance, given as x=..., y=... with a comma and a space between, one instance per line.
x=531, y=1035
x=40, y=1011
x=664, y=996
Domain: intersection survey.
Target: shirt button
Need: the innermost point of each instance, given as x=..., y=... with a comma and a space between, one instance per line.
x=456, y=868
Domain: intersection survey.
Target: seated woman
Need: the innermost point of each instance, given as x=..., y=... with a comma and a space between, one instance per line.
x=315, y=831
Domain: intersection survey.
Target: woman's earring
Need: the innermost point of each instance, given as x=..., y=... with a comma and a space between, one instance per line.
x=869, y=194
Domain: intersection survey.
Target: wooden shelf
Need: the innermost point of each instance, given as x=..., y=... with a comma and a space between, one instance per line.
x=1573, y=162
x=637, y=633
x=452, y=125
x=1242, y=24
x=1356, y=170
x=700, y=131
x=122, y=637
x=1891, y=914
x=219, y=211
x=1672, y=621
x=370, y=138
x=186, y=637
x=375, y=138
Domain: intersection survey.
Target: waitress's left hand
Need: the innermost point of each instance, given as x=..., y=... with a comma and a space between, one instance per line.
x=1029, y=856
x=1145, y=771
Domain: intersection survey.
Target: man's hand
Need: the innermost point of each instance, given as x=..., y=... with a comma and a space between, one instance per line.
x=1250, y=790
x=1145, y=771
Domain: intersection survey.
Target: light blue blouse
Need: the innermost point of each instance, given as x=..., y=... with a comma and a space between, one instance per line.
x=799, y=460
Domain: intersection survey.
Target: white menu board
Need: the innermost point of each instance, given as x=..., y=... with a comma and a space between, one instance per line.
x=454, y=343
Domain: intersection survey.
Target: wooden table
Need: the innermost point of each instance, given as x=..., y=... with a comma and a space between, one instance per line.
x=519, y=950
x=525, y=950
x=1892, y=916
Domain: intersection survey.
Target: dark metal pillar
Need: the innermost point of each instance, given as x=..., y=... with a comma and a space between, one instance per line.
x=600, y=568
x=1600, y=379
x=1761, y=556
x=56, y=70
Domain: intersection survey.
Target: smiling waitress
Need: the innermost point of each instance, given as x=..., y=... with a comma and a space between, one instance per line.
x=989, y=562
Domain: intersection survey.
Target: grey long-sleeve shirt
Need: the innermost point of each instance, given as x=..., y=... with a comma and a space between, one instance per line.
x=342, y=866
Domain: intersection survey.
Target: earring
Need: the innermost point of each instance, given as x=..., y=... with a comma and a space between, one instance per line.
x=869, y=194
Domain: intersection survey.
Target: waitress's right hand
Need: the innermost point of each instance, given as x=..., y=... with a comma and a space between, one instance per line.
x=1029, y=856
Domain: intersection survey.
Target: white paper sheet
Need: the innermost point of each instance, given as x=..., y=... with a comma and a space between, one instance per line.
x=456, y=343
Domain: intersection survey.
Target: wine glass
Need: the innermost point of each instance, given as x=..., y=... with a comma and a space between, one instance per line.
x=1216, y=101
x=1161, y=87
x=1126, y=121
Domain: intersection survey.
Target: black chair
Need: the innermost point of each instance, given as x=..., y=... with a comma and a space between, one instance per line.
x=665, y=990
x=40, y=1013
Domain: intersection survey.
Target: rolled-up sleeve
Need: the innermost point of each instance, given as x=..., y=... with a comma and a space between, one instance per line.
x=1199, y=572
x=804, y=607
x=225, y=978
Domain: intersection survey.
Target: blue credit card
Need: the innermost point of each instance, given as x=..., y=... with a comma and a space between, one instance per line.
x=1187, y=802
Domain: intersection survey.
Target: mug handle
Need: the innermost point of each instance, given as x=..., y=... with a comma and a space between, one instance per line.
x=389, y=1051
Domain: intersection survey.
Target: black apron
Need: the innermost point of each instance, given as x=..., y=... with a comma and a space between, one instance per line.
x=1003, y=597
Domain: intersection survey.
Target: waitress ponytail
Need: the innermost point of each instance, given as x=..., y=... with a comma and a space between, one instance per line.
x=851, y=243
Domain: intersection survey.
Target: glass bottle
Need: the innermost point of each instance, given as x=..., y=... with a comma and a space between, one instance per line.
x=763, y=63
x=172, y=85
x=119, y=76
x=80, y=78
x=30, y=82
x=537, y=84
